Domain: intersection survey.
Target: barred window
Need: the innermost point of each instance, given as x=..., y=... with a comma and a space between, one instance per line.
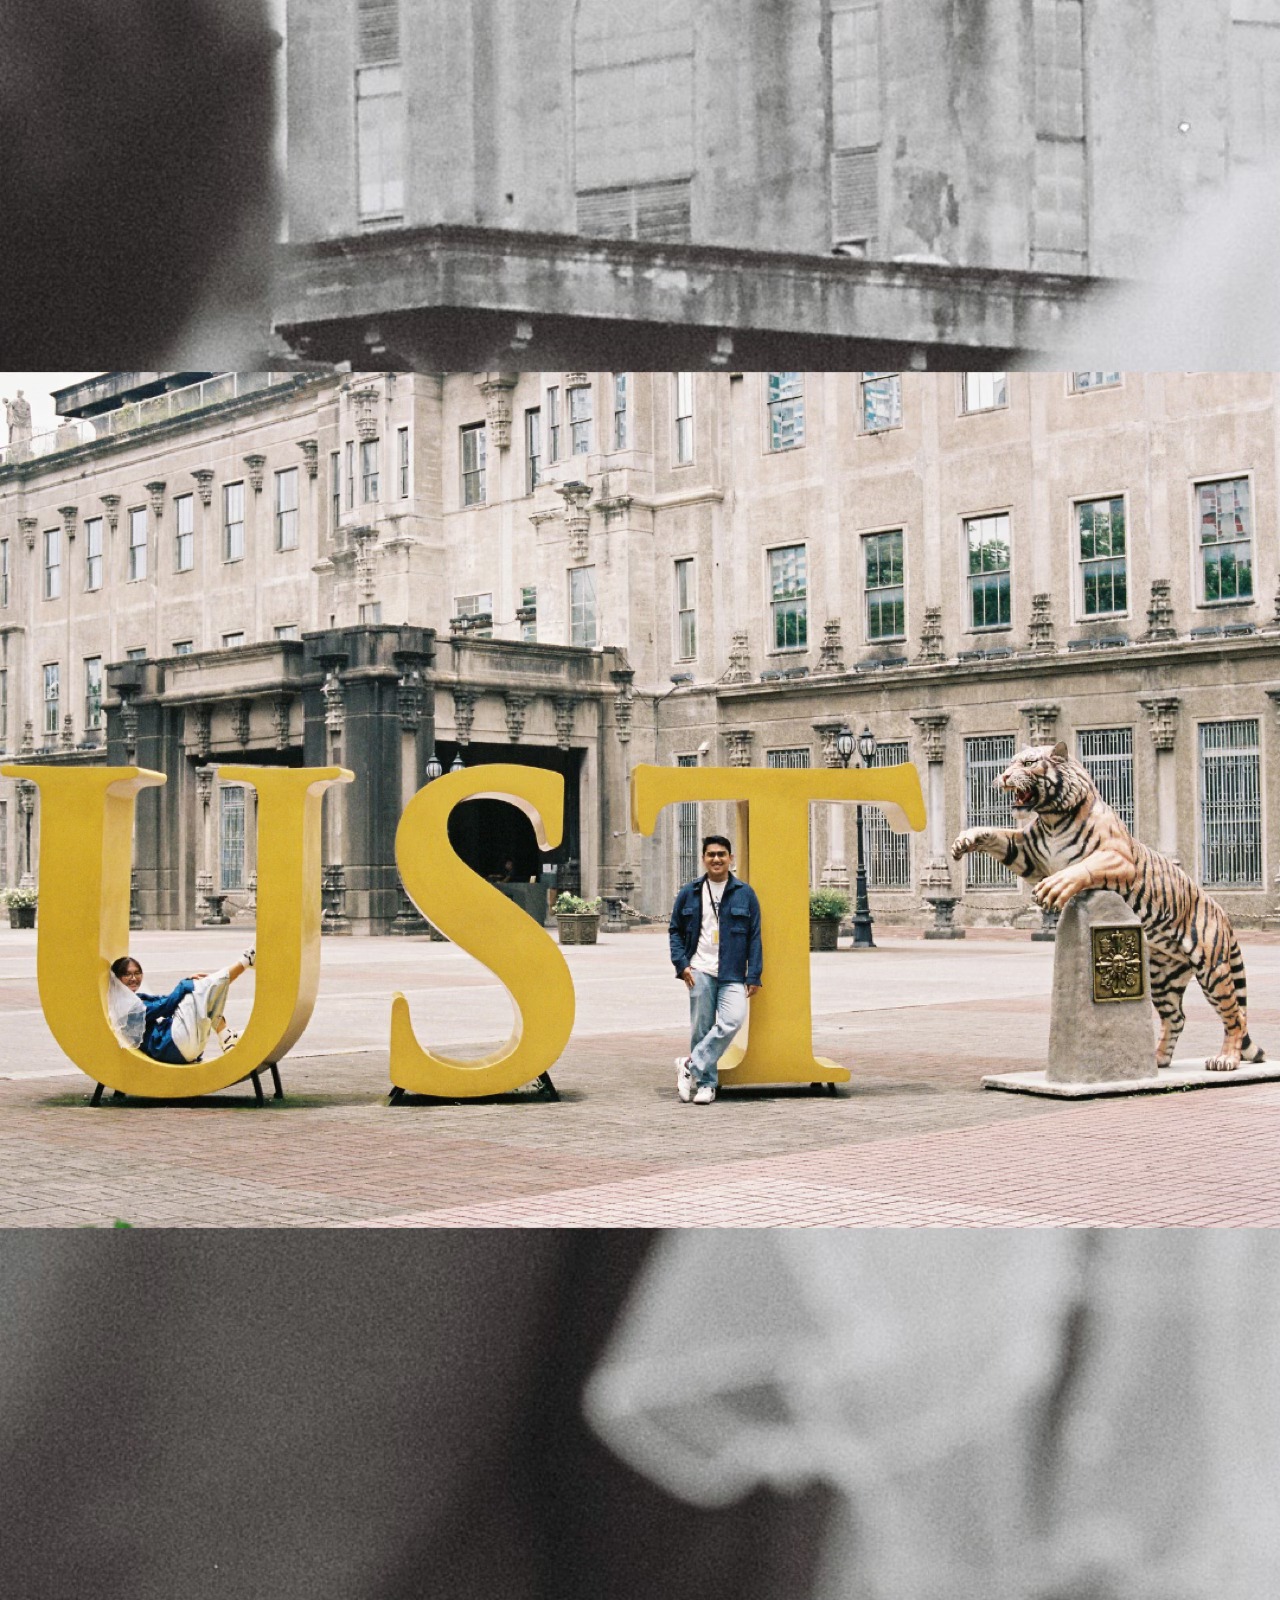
x=789, y=597
x=881, y=401
x=137, y=544
x=620, y=410
x=987, y=806
x=231, y=837
x=1104, y=566
x=233, y=522
x=986, y=391
x=684, y=418
x=791, y=760
x=474, y=443
x=887, y=854
x=1230, y=805
x=1226, y=540
x=686, y=610
x=93, y=553
x=369, y=463
x=52, y=695
x=287, y=509
x=580, y=420
x=533, y=448
x=92, y=693
x=185, y=542
x=786, y=410
x=688, y=857
x=52, y=563
x=990, y=596
x=582, y=606
x=1107, y=756
x=885, y=587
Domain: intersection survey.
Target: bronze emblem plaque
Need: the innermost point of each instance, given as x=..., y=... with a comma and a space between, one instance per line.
x=1119, y=972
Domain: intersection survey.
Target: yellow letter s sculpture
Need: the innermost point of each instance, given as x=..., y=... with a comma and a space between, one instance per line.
x=86, y=828
x=485, y=923
x=772, y=852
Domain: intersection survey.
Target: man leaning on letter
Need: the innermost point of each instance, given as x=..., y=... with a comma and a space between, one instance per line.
x=716, y=951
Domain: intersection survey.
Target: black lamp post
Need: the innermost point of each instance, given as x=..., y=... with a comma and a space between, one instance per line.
x=865, y=744
x=433, y=769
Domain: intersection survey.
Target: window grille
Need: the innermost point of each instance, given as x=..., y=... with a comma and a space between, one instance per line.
x=881, y=401
x=887, y=854
x=1230, y=805
x=686, y=610
x=658, y=213
x=231, y=836
x=990, y=597
x=92, y=693
x=1107, y=756
x=582, y=606
x=684, y=418
x=369, y=465
x=287, y=509
x=52, y=563
x=474, y=441
x=184, y=524
x=233, y=522
x=52, y=694
x=786, y=410
x=795, y=759
x=1104, y=575
x=885, y=587
x=533, y=448
x=93, y=553
x=986, y=391
x=789, y=597
x=1226, y=539
x=688, y=860
x=137, y=544
x=986, y=806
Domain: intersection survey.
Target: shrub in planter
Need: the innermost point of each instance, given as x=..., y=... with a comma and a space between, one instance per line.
x=22, y=907
x=826, y=908
x=578, y=920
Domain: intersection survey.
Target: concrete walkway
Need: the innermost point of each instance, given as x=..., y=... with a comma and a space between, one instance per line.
x=914, y=1140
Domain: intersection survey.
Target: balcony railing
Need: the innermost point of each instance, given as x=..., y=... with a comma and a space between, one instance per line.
x=146, y=413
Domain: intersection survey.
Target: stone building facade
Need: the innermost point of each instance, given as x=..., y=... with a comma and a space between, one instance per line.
x=589, y=569
x=862, y=184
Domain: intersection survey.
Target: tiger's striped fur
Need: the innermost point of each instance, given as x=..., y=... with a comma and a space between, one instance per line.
x=1077, y=842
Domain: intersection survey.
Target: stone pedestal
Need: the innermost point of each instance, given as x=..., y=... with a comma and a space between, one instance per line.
x=1102, y=1026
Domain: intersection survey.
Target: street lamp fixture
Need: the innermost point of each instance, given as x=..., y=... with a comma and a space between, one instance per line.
x=433, y=769
x=865, y=744
x=458, y=764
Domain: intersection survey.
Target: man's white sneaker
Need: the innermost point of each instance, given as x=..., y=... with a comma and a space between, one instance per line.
x=684, y=1079
x=227, y=1038
x=248, y=957
x=704, y=1094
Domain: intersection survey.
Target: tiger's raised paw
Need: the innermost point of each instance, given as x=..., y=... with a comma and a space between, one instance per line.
x=964, y=844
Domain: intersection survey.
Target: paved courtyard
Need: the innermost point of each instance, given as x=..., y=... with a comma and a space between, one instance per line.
x=913, y=1140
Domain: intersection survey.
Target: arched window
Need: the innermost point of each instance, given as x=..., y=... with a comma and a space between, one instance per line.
x=633, y=118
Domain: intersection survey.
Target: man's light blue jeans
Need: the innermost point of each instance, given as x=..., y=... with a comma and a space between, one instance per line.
x=717, y=1010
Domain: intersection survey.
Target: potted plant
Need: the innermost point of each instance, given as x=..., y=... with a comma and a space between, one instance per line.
x=578, y=920
x=826, y=909
x=22, y=907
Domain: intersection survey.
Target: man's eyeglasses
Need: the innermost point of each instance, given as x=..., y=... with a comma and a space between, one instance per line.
x=716, y=855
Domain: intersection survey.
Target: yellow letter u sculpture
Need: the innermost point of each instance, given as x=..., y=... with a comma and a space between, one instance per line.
x=773, y=855
x=86, y=832
x=482, y=921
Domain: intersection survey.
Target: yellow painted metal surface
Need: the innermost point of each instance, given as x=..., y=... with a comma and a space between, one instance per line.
x=86, y=833
x=485, y=923
x=772, y=853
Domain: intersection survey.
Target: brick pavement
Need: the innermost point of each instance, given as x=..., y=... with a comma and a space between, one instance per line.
x=913, y=1141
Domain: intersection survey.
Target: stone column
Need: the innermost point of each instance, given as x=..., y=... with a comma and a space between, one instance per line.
x=1162, y=712
x=409, y=698
x=835, y=870
x=936, y=888
x=208, y=900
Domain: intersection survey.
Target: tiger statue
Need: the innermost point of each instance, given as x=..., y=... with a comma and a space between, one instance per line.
x=1077, y=842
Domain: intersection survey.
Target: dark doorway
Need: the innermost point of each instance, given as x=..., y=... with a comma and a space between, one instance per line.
x=486, y=833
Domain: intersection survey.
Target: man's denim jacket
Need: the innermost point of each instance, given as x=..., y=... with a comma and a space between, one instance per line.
x=741, y=955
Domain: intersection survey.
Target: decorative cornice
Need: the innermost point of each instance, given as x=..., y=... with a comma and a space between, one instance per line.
x=1042, y=720
x=364, y=407
x=516, y=705
x=932, y=726
x=204, y=483
x=156, y=491
x=496, y=388
x=311, y=455
x=739, y=741
x=68, y=515
x=255, y=465
x=1162, y=711
x=464, y=714
x=831, y=653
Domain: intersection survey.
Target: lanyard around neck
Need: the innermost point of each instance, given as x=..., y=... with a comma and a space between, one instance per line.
x=715, y=904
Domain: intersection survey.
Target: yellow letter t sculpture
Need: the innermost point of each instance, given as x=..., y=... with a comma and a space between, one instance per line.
x=773, y=853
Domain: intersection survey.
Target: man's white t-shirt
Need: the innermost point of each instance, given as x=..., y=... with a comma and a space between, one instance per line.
x=707, y=956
